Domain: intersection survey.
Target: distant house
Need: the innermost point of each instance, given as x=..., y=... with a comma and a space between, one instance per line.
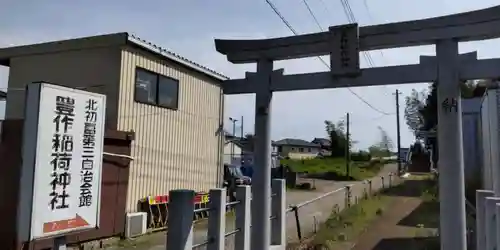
x=325, y=144
x=243, y=151
x=297, y=148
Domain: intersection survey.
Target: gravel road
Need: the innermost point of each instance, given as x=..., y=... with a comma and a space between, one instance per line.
x=310, y=216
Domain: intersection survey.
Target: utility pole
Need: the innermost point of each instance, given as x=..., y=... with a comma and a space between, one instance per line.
x=242, y=128
x=347, y=149
x=233, y=136
x=242, y=156
x=398, y=129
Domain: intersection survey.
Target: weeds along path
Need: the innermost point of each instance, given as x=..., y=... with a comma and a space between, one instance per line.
x=409, y=221
x=310, y=216
x=313, y=215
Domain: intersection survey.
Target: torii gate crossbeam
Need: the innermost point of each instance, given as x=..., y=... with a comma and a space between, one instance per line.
x=404, y=74
x=468, y=26
x=344, y=43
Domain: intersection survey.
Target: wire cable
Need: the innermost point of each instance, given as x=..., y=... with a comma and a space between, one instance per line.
x=283, y=19
x=352, y=19
x=370, y=16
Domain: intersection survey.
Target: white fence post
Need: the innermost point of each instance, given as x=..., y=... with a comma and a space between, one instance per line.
x=181, y=210
x=480, y=217
x=497, y=224
x=491, y=225
x=217, y=219
x=242, y=211
x=278, y=207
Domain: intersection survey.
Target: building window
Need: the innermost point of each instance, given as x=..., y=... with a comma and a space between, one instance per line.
x=156, y=89
x=301, y=150
x=309, y=150
x=293, y=149
x=280, y=149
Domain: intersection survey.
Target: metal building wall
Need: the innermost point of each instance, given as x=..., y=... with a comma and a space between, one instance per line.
x=95, y=69
x=471, y=109
x=490, y=136
x=173, y=148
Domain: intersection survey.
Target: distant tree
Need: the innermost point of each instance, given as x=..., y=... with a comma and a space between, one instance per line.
x=414, y=104
x=377, y=151
x=337, y=137
x=421, y=107
x=386, y=144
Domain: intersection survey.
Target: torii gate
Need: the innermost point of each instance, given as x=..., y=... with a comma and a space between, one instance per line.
x=343, y=44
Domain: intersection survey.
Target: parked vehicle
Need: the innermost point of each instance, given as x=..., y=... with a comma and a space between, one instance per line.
x=247, y=167
x=233, y=176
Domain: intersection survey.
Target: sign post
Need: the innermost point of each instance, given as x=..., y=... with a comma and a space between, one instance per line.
x=62, y=162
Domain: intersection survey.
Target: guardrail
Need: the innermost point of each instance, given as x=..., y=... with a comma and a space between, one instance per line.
x=181, y=209
x=180, y=222
x=353, y=194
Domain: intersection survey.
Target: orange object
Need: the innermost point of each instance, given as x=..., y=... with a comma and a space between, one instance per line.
x=61, y=225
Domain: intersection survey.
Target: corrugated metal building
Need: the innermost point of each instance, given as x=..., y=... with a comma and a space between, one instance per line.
x=490, y=137
x=471, y=116
x=3, y=95
x=174, y=106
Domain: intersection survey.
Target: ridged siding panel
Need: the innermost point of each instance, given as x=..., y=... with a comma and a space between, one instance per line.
x=173, y=148
x=490, y=137
x=471, y=109
x=486, y=142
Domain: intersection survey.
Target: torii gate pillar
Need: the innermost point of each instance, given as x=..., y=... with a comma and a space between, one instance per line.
x=451, y=166
x=261, y=179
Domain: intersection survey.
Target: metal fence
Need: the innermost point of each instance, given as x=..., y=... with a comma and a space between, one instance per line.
x=180, y=222
x=309, y=215
x=289, y=224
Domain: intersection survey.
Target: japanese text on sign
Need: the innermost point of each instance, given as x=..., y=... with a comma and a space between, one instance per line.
x=87, y=174
x=62, y=161
x=62, y=152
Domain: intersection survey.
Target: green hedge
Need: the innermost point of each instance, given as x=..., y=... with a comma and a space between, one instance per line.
x=361, y=156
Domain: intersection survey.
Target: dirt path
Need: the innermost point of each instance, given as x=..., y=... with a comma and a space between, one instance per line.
x=402, y=225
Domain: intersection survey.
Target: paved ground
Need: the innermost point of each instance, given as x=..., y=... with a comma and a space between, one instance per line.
x=309, y=215
x=398, y=227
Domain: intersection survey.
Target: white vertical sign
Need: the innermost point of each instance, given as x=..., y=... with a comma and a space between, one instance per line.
x=62, y=161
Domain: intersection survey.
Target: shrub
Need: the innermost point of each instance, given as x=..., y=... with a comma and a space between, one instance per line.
x=361, y=156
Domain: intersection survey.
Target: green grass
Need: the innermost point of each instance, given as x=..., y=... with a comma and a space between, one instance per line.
x=335, y=168
x=341, y=229
x=351, y=222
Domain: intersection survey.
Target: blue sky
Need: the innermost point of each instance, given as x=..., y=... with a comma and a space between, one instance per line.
x=188, y=27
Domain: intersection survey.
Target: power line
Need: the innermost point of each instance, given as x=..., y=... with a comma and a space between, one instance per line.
x=370, y=16
x=365, y=2
x=352, y=19
x=365, y=54
x=283, y=19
